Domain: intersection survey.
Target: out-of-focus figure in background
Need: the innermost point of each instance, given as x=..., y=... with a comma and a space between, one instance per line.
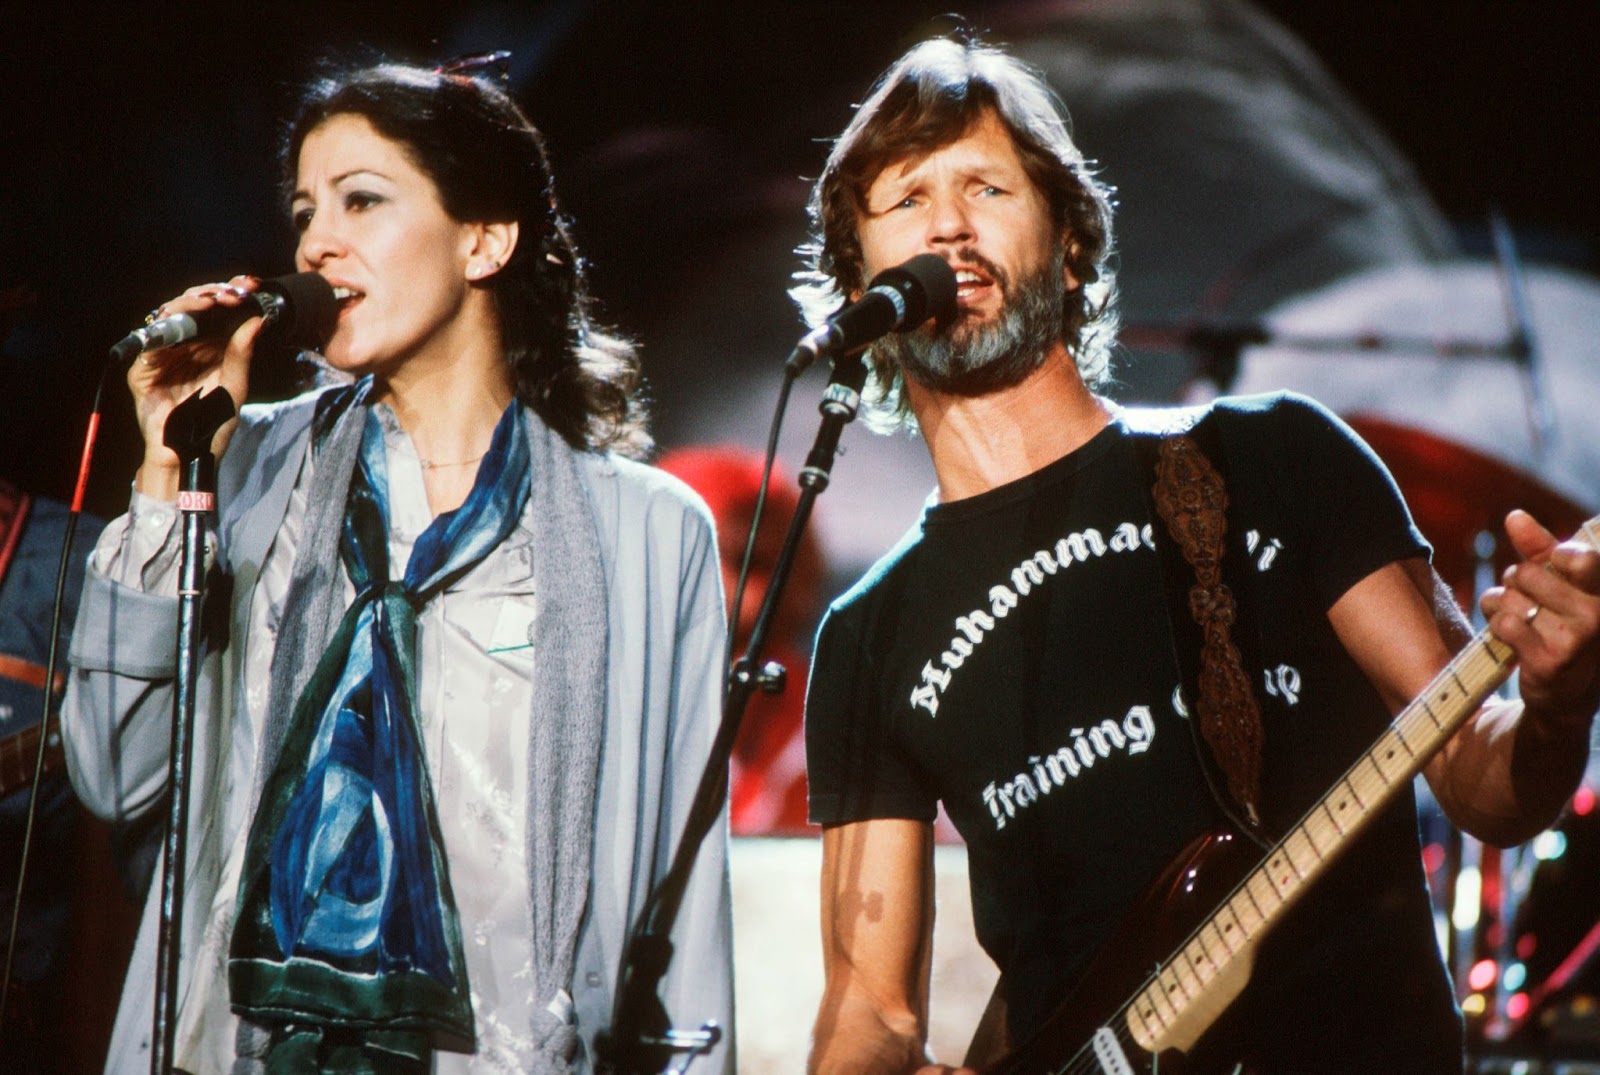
x=34, y=1036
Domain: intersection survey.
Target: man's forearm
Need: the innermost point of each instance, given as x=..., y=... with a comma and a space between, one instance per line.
x=1506, y=775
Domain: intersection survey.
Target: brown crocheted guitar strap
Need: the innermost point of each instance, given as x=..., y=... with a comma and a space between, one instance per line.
x=1192, y=500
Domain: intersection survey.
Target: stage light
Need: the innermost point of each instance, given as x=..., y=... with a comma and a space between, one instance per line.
x=1583, y=801
x=1549, y=846
x=1469, y=894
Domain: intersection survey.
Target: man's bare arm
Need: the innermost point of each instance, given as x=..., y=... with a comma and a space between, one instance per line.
x=877, y=930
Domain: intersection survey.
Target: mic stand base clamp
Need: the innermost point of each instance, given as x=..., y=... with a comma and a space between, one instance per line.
x=772, y=678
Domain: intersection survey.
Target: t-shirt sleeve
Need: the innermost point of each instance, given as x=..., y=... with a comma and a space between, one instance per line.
x=1346, y=504
x=856, y=769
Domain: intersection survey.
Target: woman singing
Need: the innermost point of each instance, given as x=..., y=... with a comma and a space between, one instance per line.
x=452, y=716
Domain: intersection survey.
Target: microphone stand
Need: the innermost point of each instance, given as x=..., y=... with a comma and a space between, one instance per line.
x=188, y=432
x=640, y=1040
x=1524, y=346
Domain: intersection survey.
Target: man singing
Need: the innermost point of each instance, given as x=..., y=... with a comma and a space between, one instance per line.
x=1115, y=630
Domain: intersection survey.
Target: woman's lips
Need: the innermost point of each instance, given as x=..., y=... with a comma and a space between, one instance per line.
x=346, y=297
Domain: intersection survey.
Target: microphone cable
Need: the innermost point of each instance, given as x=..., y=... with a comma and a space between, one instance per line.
x=748, y=559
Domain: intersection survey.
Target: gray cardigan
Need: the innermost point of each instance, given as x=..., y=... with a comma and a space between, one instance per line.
x=663, y=698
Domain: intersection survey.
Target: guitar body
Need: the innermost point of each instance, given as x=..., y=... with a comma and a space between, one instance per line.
x=1094, y=1014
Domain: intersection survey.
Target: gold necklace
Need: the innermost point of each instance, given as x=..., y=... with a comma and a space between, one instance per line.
x=429, y=464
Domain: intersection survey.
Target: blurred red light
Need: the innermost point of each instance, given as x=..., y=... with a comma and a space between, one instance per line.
x=1583, y=801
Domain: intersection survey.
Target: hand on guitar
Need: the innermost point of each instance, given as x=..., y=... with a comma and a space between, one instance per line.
x=1548, y=610
x=1515, y=767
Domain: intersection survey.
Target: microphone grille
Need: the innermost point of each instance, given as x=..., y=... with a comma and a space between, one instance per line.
x=929, y=286
x=310, y=308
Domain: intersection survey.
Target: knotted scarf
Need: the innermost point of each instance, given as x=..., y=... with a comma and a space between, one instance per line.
x=346, y=952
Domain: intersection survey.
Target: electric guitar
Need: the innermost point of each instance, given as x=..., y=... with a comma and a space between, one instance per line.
x=1175, y=968
x=20, y=752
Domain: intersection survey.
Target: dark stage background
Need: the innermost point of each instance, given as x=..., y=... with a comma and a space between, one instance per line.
x=138, y=147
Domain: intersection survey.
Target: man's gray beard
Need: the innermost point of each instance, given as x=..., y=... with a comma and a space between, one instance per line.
x=971, y=359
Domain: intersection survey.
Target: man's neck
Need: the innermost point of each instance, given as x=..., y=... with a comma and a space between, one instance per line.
x=979, y=443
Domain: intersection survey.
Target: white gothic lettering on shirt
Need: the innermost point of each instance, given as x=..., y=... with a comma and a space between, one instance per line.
x=1269, y=551
x=1283, y=682
x=974, y=627
x=1084, y=747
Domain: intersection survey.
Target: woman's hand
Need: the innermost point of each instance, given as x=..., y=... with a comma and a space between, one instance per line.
x=162, y=379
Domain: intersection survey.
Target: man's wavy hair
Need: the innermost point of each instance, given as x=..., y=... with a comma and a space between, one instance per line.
x=930, y=98
x=489, y=164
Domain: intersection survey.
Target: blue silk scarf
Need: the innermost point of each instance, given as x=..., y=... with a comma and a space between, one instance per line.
x=346, y=942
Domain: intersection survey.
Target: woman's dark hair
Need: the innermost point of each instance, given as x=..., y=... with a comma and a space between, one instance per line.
x=932, y=96
x=489, y=164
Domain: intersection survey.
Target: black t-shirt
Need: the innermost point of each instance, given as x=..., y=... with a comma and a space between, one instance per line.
x=1013, y=657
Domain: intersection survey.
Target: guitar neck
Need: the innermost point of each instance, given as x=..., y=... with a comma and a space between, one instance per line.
x=1171, y=1001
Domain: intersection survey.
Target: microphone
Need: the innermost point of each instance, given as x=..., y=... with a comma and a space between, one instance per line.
x=300, y=307
x=899, y=298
